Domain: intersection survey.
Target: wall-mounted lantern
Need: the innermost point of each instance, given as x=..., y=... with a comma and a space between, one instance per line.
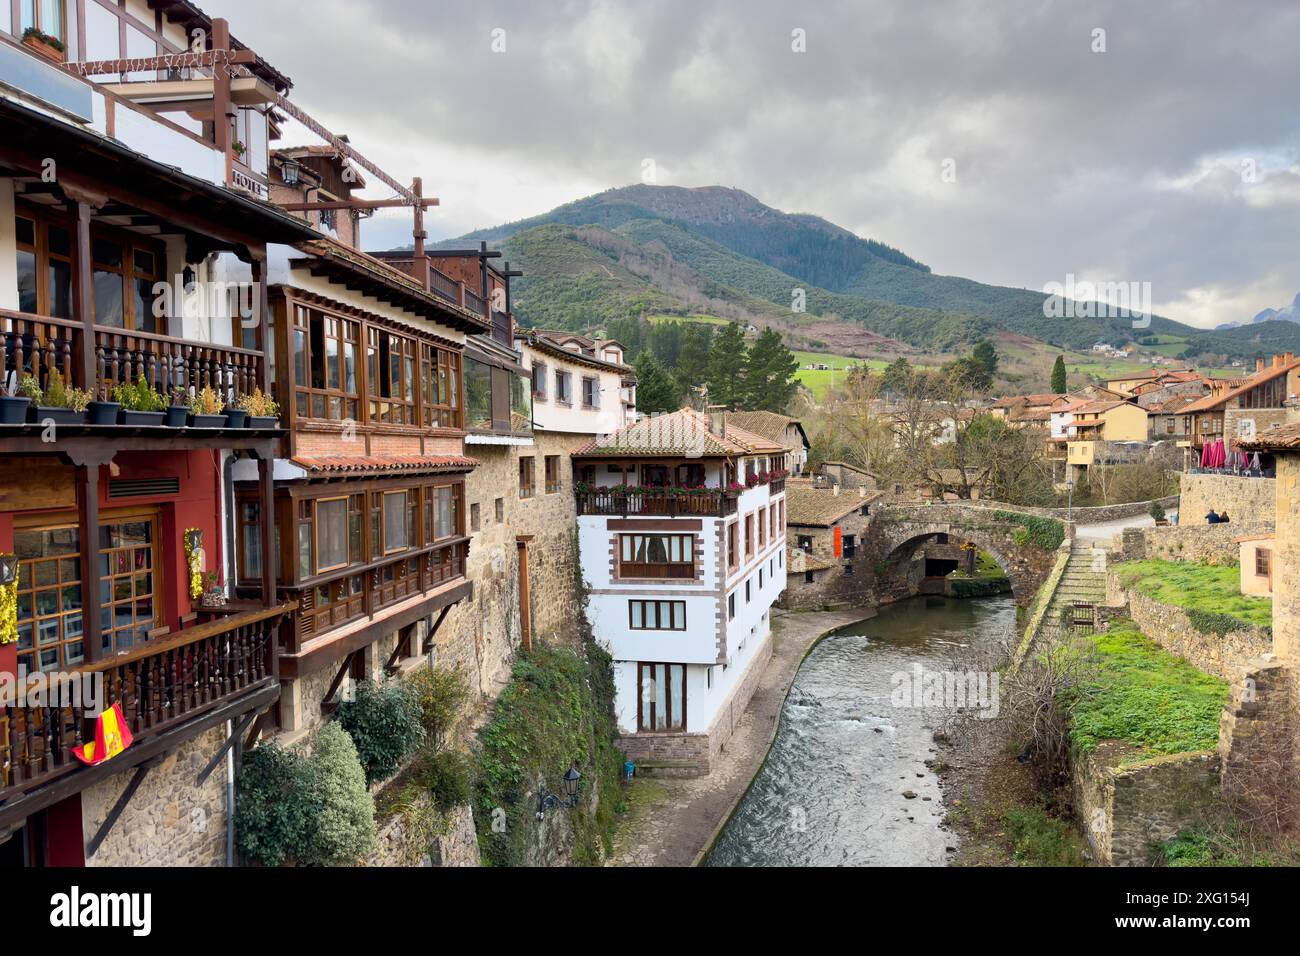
x=571, y=783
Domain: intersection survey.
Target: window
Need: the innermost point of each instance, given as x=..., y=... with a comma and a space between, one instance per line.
x=762, y=527
x=656, y=556
x=44, y=15
x=731, y=606
x=748, y=589
x=805, y=543
x=760, y=579
x=123, y=281
x=749, y=536
x=526, y=467
x=539, y=381
x=390, y=376
x=848, y=569
x=656, y=615
x=690, y=476
x=478, y=394
x=500, y=505
x=440, y=387
x=563, y=388
x=331, y=534
x=395, y=522
x=442, y=511
x=771, y=516
x=250, y=540
x=850, y=547
x=324, y=350
x=474, y=520
x=661, y=698
x=807, y=577
x=127, y=559
x=552, y=474
x=44, y=261
x=733, y=553
x=590, y=392
x=49, y=599
x=655, y=476
x=1263, y=562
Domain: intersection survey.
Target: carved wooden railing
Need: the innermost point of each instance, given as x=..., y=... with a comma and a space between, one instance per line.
x=475, y=303
x=444, y=285
x=160, y=684
x=170, y=364
x=48, y=348
x=711, y=504
x=36, y=345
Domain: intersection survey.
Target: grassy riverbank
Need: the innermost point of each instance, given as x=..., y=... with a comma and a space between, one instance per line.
x=1207, y=589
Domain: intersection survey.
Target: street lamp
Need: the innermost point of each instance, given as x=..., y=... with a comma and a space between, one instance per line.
x=1069, y=507
x=572, y=782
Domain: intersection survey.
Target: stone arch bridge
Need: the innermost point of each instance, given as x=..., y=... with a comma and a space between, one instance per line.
x=1023, y=543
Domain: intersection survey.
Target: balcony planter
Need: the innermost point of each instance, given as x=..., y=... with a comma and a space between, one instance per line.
x=177, y=416
x=148, y=419
x=13, y=410
x=236, y=418
x=60, y=416
x=47, y=46
x=263, y=421
x=207, y=421
x=103, y=413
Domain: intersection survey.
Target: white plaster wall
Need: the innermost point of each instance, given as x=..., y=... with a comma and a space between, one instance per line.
x=550, y=415
x=8, y=251
x=161, y=143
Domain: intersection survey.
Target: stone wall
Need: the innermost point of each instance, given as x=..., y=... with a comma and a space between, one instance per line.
x=1256, y=733
x=1127, y=805
x=171, y=820
x=480, y=636
x=1172, y=628
x=420, y=835
x=1247, y=500
x=830, y=587
x=1201, y=543
x=1097, y=514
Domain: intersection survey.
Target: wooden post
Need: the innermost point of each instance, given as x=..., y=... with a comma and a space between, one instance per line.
x=420, y=234
x=82, y=275
x=88, y=530
x=525, y=595
x=263, y=320
x=222, y=110
x=266, y=485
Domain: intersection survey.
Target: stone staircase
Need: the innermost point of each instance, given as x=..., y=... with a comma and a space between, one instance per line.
x=1084, y=580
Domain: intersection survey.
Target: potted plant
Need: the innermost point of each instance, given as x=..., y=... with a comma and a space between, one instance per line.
x=57, y=403
x=263, y=411
x=51, y=48
x=177, y=412
x=206, y=409
x=141, y=403
x=212, y=596
x=240, y=149
x=13, y=403
x=1157, y=511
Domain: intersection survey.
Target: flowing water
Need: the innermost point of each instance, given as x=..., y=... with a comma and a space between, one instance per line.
x=832, y=790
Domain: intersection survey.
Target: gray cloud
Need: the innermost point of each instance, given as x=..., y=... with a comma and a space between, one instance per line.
x=1122, y=165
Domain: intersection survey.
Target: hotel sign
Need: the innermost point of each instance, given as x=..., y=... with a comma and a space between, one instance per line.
x=241, y=180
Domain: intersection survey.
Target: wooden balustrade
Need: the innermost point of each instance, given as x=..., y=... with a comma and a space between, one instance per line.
x=160, y=684
x=36, y=345
x=710, y=504
x=475, y=303
x=444, y=285
x=170, y=364
x=48, y=348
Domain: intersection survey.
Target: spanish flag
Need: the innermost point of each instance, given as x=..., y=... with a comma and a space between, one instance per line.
x=112, y=736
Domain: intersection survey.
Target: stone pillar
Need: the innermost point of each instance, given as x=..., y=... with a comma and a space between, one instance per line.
x=1286, y=561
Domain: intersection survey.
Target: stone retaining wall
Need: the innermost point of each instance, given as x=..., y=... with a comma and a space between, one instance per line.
x=1172, y=628
x=1098, y=514
x=1202, y=543
x=1247, y=500
x=422, y=836
x=1127, y=807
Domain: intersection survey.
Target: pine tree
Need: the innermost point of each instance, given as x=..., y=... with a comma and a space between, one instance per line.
x=726, y=368
x=898, y=376
x=692, y=368
x=1059, y=384
x=769, y=374
x=986, y=356
x=655, y=389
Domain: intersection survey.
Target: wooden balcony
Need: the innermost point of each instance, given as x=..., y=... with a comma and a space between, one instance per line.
x=668, y=504
x=162, y=685
x=55, y=348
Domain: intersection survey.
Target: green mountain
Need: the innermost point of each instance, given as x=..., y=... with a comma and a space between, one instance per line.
x=673, y=249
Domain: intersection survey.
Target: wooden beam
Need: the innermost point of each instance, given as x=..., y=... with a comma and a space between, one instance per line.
x=88, y=531
x=356, y=204
x=266, y=485
x=428, y=638
x=235, y=734
x=82, y=276
x=102, y=833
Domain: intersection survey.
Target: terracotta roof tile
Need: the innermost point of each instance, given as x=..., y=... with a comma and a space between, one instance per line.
x=684, y=432
x=1275, y=439
x=373, y=464
x=820, y=507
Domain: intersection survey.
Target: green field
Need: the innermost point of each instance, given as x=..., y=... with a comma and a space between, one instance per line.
x=701, y=319
x=818, y=381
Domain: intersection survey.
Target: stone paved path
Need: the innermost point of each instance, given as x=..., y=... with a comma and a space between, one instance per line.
x=672, y=822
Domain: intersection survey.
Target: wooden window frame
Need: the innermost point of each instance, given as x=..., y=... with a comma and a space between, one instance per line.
x=537, y=375
x=655, y=602
x=647, y=726
x=527, y=476
x=1267, y=555
x=563, y=396
x=733, y=545
x=633, y=570
x=552, y=469
x=316, y=531
x=302, y=320
x=402, y=356
x=594, y=383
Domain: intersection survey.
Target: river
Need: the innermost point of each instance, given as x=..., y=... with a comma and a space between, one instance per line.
x=832, y=790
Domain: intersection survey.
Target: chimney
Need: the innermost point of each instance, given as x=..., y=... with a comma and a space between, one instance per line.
x=1290, y=357
x=1277, y=361
x=1259, y=365
x=718, y=420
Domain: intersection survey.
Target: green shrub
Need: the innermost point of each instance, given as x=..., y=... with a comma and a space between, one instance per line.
x=440, y=694
x=313, y=810
x=271, y=812
x=1157, y=511
x=1210, y=593
x=1044, y=533
x=140, y=397
x=342, y=824
x=1038, y=839
x=449, y=777
x=384, y=724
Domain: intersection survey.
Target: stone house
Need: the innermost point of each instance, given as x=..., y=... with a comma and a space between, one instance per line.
x=1244, y=408
x=1256, y=564
x=785, y=431
x=825, y=527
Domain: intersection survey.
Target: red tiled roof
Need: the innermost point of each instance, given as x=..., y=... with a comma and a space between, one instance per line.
x=684, y=432
x=358, y=464
x=1259, y=378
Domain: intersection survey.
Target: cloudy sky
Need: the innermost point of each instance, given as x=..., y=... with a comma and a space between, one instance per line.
x=1010, y=141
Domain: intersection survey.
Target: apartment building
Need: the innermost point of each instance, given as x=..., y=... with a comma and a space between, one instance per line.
x=681, y=528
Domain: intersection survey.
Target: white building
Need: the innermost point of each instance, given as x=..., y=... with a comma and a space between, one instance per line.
x=681, y=526
x=580, y=385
